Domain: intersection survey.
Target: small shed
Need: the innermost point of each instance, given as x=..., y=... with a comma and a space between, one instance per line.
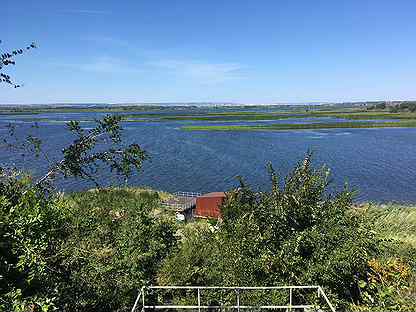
x=208, y=205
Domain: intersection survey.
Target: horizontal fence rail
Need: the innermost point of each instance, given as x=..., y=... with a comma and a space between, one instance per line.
x=182, y=201
x=180, y=206
x=187, y=194
x=142, y=304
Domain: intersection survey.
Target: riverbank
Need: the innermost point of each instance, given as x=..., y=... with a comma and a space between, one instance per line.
x=394, y=224
x=96, y=248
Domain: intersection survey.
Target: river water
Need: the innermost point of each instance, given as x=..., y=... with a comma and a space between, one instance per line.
x=379, y=163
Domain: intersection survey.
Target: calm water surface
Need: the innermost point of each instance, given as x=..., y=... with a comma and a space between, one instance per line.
x=380, y=163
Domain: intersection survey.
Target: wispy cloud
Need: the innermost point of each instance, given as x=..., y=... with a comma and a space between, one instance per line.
x=187, y=71
x=103, y=65
x=153, y=62
x=202, y=72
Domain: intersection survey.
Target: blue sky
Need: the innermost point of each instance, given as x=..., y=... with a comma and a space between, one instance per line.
x=262, y=51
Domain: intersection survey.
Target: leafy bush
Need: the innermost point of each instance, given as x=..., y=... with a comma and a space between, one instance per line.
x=88, y=252
x=387, y=287
x=390, y=284
x=296, y=234
x=31, y=228
x=114, y=247
x=191, y=263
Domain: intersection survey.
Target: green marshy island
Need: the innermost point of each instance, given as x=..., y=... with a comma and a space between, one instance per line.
x=315, y=117
x=308, y=126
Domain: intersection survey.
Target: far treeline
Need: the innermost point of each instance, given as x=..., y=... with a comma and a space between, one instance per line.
x=395, y=107
x=92, y=250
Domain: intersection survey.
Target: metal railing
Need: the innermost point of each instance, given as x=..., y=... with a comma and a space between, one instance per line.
x=142, y=304
x=180, y=206
x=184, y=201
x=187, y=194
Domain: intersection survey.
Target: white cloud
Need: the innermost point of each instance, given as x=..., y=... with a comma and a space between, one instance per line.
x=202, y=72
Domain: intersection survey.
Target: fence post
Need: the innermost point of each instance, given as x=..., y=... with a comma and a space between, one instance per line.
x=143, y=309
x=136, y=302
x=199, y=300
x=290, y=299
x=326, y=299
x=238, y=299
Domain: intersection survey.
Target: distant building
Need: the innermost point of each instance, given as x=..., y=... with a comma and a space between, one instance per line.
x=189, y=205
x=208, y=205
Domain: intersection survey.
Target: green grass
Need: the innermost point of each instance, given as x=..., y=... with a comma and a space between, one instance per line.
x=309, y=126
x=362, y=115
x=116, y=197
x=7, y=113
x=295, y=114
x=396, y=223
x=278, y=115
x=401, y=119
x=233, y=117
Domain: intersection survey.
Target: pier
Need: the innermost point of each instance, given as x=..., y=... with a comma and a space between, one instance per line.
x=182, y=201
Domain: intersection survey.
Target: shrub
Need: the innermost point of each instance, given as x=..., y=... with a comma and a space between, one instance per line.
x=115, y=246
x=390, y=284
x=31, y=228
x=387, y=287
x=296, y=234
x=90, y=251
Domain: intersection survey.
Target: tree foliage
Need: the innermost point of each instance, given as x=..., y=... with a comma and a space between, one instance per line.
x=296, y=234
x=88, y=252
x=92, y=148
x=89, y=154
x=42, y=265
x=122, y=252
x=7, y=59
x=31, y=229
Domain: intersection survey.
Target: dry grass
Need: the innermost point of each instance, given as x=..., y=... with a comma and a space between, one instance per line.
x=395, y=222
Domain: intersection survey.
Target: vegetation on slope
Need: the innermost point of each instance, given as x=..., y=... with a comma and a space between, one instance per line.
x=391, y=284
x=122, y=251
x=293, y=235
x=91, y=251
x=396, y=223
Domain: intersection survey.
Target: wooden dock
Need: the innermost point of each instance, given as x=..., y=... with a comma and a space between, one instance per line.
x=182, y=201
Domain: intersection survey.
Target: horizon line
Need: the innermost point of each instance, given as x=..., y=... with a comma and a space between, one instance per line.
x=222, y=103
